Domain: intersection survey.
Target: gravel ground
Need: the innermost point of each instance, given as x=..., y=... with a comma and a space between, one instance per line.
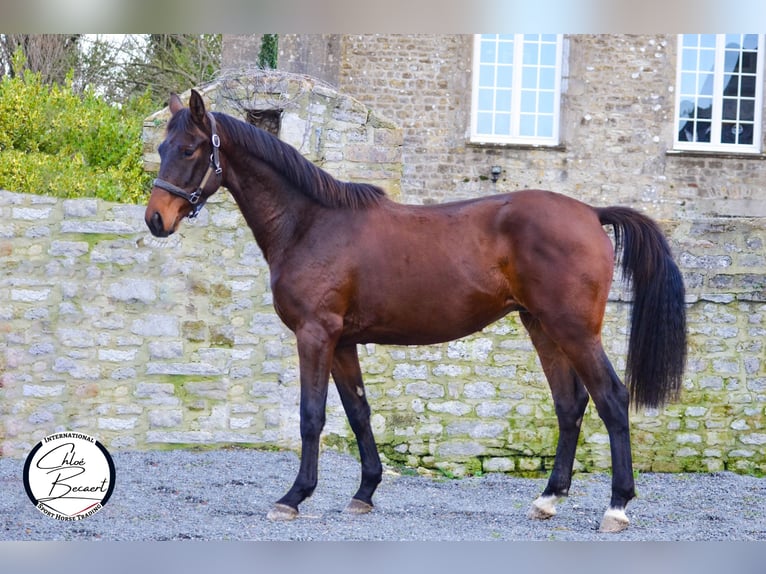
x=225, y=494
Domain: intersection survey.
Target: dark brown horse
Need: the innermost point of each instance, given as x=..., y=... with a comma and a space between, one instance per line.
x=349, y=266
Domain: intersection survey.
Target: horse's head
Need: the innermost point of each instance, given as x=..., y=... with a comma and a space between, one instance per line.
x=190, y=169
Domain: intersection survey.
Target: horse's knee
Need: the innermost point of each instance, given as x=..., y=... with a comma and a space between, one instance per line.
x=312, y=423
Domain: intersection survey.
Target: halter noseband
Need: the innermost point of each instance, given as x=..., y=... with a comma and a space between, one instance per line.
x=195, y=197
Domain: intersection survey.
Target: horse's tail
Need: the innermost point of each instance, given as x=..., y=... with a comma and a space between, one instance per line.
x=657, y=345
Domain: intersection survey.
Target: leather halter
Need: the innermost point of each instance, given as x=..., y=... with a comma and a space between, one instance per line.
x=195, y=197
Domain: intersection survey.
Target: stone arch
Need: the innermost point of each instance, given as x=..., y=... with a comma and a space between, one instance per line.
x=333, y=130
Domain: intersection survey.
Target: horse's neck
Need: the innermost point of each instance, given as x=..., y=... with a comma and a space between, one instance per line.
x=273, y=211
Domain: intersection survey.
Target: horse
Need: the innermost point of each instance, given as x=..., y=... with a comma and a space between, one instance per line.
x=349, y=266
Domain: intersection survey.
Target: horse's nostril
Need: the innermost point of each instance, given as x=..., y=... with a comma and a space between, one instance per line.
x=155, y=225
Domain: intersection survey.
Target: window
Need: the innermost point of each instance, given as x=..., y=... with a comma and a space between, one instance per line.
x=268, y=120
x=516, y=88
x=719, y=92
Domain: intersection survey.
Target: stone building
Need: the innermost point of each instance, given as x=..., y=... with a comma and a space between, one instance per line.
x=616, y=119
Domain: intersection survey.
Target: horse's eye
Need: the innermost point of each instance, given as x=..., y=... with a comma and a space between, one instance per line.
x=188, y=152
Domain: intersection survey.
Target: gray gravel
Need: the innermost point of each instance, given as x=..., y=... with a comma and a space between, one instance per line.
x=225, y=495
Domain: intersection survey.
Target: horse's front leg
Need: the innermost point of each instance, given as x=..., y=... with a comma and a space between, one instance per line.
x=315, y=352
x=347, y=375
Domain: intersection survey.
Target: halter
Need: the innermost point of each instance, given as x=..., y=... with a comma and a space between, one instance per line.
x=195, y=197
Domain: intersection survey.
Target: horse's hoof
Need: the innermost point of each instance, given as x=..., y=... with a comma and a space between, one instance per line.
x=615, y=520
x=543, y=508
x=282, y=512
x=357, y=506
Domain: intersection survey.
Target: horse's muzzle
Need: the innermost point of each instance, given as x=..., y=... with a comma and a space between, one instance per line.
x=155, y=225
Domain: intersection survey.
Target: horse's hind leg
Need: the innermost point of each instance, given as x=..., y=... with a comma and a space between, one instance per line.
x=570, y=399
x=348, y=378
x=565, y=350
x=612, y=400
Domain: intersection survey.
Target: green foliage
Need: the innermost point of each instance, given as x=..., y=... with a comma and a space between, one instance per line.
x=54, y=141
x=267, y=57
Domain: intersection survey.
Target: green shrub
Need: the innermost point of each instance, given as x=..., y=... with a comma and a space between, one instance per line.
x=54, y=141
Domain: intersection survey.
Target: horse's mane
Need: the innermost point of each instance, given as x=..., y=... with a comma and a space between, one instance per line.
x=311, y=180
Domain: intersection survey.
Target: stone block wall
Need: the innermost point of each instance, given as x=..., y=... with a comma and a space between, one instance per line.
x=150, y=344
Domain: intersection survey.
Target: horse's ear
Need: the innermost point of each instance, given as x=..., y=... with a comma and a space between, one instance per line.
x=175, y=104
x=197, y=107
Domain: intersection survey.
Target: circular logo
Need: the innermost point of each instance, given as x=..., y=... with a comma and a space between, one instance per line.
x=69, y=476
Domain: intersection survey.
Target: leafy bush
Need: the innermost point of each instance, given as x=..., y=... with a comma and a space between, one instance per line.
x=54, y=141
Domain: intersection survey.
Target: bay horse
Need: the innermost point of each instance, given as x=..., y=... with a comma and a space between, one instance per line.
x=349, y=266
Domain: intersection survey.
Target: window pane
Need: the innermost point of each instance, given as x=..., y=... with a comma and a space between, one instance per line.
x=705, y=84
x=484, y=123
x=702, y=132
x=503, y=124
x=531, y=56
x=706, y=60
x=527, y=125
x=545, y=126
x=529, y=77
x=547, y=78
x=504, y=76
x=505, y=53
x=730, y=109
x=503, y=101
x=747, y=110
x=528, y=102
x=545, y=102
x=749, y=61
x=707, y=40
x=488, y=52
x=487, y=76
x=747, y=87
x=731, y=61
x=548, y=55
x=750, y=42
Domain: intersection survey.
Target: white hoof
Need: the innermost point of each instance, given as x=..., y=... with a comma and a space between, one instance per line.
x=282, y=512
x=543, y=508
x=615, y=520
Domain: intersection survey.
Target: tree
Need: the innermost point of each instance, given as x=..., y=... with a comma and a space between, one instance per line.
x=267, y=57
x=172, y=63
x=53, y=56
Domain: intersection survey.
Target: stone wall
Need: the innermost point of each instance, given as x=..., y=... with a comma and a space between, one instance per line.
x=148, y=343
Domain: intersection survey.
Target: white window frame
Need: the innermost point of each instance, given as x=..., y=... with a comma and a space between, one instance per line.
x=515, y=137
x=719, y=72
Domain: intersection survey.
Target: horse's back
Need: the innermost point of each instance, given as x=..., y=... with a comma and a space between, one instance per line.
x=423, y=274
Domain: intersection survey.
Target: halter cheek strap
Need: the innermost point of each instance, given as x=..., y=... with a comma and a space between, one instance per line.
x=196, y=197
